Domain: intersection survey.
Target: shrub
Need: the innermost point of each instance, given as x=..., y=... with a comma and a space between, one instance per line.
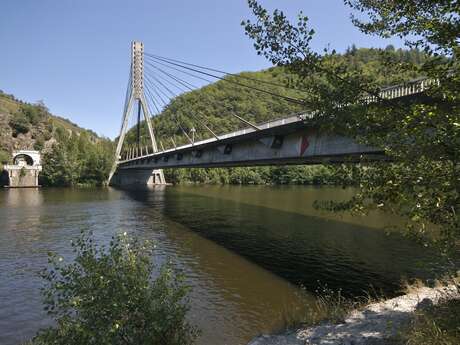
x=33, y=113
x=4, y=157
x=19, y=124
x=39, y=144
x=109, y=296
x=438, y=324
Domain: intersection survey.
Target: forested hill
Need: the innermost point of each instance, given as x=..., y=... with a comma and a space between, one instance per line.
x=215, y=103
x=71, y=155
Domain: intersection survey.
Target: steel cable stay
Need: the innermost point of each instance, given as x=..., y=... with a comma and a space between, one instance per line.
x=165, y=104
x=190, y=87
x=149, y=107
x=177, y=86
x=185, y=83
x=156, y=91
x=149, y=62
x=232, y=113
x=153, y=62
x=128, y=94
x=152, y=89
x=370, y=92
x=173, y=94
x=194, y=115
x=152, y=101
x=226, y=73
x=156, y=104
x=198, y=120
x=286, y=98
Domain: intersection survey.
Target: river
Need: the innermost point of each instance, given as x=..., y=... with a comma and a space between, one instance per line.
x=244, y=250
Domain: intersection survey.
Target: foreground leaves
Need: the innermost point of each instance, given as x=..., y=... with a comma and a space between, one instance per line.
x=113, y=296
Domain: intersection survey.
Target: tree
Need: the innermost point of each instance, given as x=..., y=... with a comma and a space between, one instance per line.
x=19, y=124
x=5, y=157
x=421, y=138
x=76, y=160
x=111, y=296
x=431, y=24
x=61, y=166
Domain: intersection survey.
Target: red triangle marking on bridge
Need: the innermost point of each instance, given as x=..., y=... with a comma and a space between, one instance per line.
x=304, y=144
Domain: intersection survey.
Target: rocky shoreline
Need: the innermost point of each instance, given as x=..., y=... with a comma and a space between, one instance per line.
x=372, y=325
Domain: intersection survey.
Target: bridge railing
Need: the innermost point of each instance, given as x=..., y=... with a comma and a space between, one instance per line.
x=402, y=90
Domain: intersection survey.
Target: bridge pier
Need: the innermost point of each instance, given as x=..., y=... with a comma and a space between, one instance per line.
x=141, y=177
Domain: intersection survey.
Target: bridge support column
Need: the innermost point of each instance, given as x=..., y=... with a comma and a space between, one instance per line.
x=136, y=94
x=134, y=177
x=157, y=177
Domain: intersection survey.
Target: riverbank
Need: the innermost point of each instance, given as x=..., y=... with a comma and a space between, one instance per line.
x=377, y=323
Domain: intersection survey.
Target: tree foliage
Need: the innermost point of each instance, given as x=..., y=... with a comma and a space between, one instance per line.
x=76, y=160
x=429, y=24
x=19, y=124
x=420, y=136
x=273, y=175
x=113, y=296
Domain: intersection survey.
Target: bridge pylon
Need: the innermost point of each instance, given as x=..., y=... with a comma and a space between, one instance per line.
x=136, y=95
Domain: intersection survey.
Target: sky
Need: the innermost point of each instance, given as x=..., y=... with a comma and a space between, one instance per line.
x=75, y=55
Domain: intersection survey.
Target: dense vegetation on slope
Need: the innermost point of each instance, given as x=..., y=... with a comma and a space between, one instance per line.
x=71, y=155
x=214, y=105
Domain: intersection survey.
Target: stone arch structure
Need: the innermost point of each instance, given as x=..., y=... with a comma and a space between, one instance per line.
x=23, y=159
x=25, y=169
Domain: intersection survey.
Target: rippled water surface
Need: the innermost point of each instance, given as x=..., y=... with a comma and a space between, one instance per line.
x=245, y=250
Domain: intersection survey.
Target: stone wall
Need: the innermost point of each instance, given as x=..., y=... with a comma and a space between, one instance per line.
x=22, y=177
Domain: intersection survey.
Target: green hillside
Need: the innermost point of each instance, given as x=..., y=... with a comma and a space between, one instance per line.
x=71, y=155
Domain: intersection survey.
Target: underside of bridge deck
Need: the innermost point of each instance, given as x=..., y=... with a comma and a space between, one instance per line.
x=291, y=143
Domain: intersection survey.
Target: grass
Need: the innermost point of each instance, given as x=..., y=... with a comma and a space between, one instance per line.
x=329, y=306
x=433, y=325
x=436, y=325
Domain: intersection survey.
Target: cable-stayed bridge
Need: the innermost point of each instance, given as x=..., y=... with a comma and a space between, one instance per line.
x=155, y=80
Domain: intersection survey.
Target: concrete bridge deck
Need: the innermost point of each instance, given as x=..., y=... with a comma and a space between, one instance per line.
x=278, y=142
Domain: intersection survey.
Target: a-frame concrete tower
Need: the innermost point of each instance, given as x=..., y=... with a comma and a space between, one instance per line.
x=137, y=96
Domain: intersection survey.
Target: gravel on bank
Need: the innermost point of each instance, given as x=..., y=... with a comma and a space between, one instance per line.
x=372, y=325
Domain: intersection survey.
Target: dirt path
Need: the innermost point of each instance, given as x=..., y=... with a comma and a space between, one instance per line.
x=369, y=326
